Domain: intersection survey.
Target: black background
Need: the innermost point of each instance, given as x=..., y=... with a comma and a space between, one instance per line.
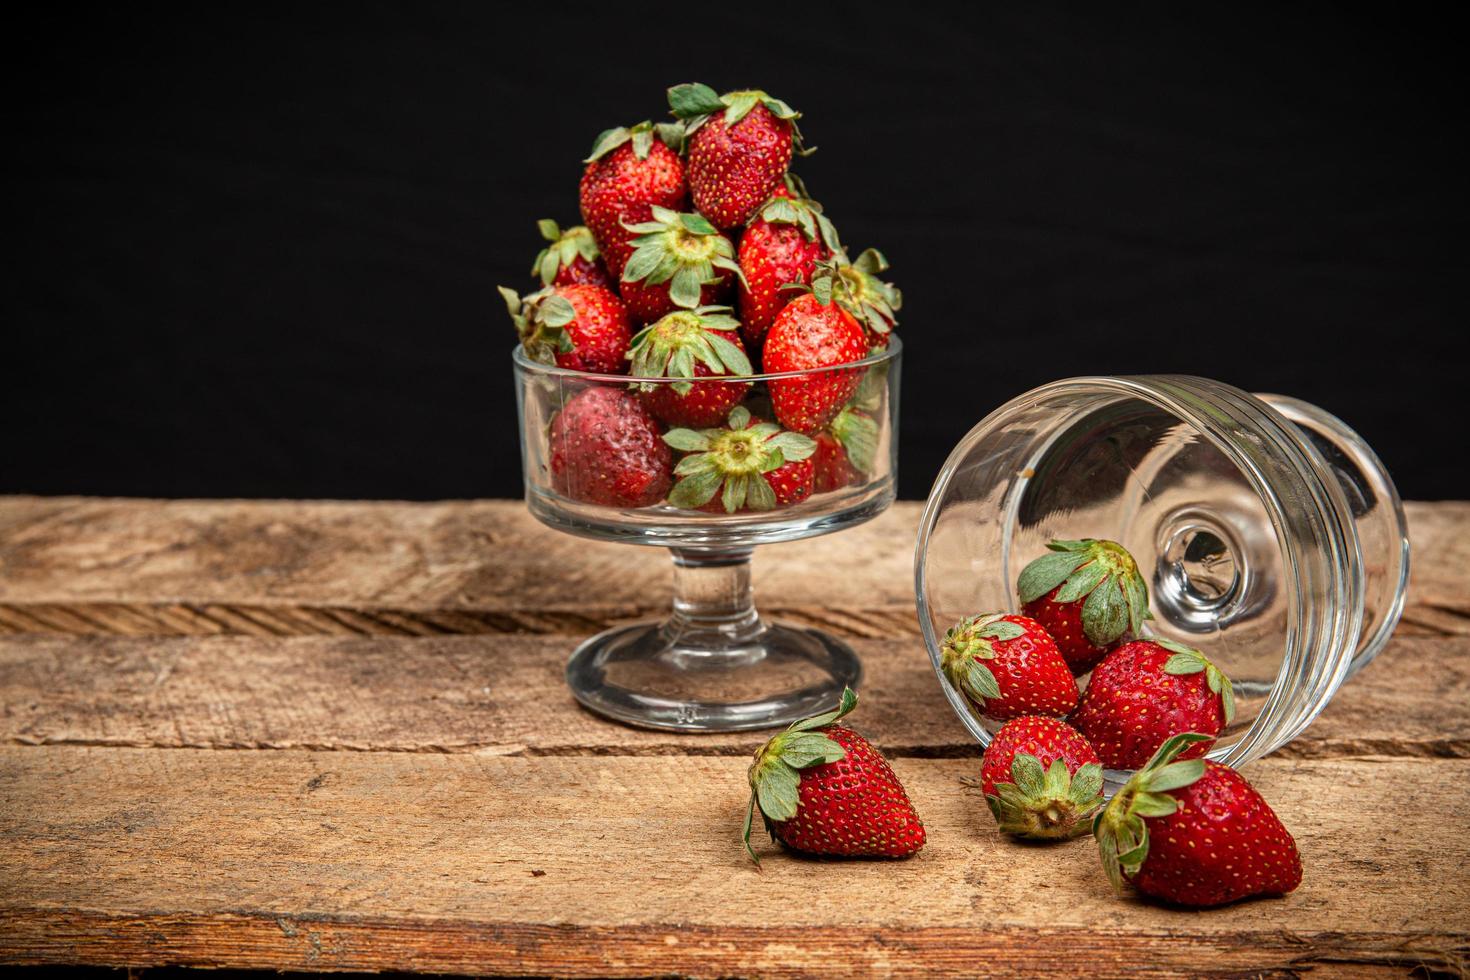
x=256, y=252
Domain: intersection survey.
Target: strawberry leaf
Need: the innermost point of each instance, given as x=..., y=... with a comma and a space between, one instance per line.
x=694, y=99
x=693, y=492
x=1081, y=582
x=777, y=790
x=1046, y=573
x=848, y=701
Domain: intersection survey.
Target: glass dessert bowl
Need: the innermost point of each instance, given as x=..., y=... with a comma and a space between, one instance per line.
x=603, y=459
x=1268, y=533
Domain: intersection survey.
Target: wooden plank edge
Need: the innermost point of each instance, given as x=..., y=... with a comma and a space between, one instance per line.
x=291, y=619
x=261, y=940
x=287, y=619
x=1305, y=747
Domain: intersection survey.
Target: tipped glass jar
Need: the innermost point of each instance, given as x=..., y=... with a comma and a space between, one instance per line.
x=601, y=459
x=1268, y=532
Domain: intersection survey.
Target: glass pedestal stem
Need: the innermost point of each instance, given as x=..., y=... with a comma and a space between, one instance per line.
x=714, y=665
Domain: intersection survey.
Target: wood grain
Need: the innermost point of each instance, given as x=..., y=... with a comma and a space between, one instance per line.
x=279, y=568
x=505, y=695
x=305, y=860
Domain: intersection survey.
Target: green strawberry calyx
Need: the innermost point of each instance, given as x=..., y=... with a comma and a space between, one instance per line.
x=1100, y=574
x=732, y=462
x=967, y=645
x=671, y=347
x=641, y=136
x=857, y=432
x=796, y=208
x=694, y=103
x=1188, y=660
x=856, y=288
x=775, y=781
x=1046, y=804
x=1122, y=835
x=565, y=248
x=541, y=320
x=683, y=250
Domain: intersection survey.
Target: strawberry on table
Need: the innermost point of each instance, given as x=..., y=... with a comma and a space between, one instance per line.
x=1195, y=833
x=570, y=258
x=1088, y=594
x=740, y=145
x=1147, y=691
x=782, y=244
x=822, y=788
x=1006, y=667
x=699, y=343
x=747, y=465
x=1041, y=778
x=678, y=261
x=811, y=332
x=581, y=327
x=846, y=450
x=606, y=449
x=630, y=171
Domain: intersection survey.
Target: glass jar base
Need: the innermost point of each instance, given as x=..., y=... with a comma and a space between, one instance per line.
x=642, y=675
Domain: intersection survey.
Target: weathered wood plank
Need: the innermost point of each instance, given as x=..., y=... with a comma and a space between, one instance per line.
x=131, y=567
x=438, y=862
x=505, y=695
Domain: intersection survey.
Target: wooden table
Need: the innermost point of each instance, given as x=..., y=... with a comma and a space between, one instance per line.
x=334, y=736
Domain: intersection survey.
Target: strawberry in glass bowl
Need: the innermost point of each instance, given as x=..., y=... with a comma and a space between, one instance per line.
x=722, y=390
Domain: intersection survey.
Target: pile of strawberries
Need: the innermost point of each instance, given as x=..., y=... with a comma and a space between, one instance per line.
x=1182, y=828
x=751, y=278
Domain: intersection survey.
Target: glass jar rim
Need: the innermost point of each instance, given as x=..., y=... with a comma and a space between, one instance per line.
x=884, y=356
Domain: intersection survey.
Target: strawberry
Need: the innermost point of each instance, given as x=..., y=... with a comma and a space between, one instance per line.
x=580, y=327
x=812, y=332
x=703, y=342
x=1006, y=667
x=749, y=465
x=873, y=302
x=571, y=258
x=782, y=244
x=630, y=171
x=846, y=450
x=1041, y=778
x=823, y=789
x=1088, y=594
x=605, y=449
x=1146, y=691
x=678, y=260
x=740, y=144
x=1195, y=833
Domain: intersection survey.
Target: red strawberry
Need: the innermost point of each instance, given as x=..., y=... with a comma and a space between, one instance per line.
x=1006, y=667
x=873, y=302
x=629, y=171
x=740, y=144
x=571, y=258
x=783, y=244
x=678, y=261
x=846, y=450
x=812, y=332
x=580, y=327
x=699, y=343
x=822, y=788
x=1147, y=691
x=749, y=465
x=606, y=449
x=1088, y=594
x=1195, y=833
x=1041, y=778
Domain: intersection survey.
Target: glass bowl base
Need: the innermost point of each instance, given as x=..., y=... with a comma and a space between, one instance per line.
x=652, y=676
